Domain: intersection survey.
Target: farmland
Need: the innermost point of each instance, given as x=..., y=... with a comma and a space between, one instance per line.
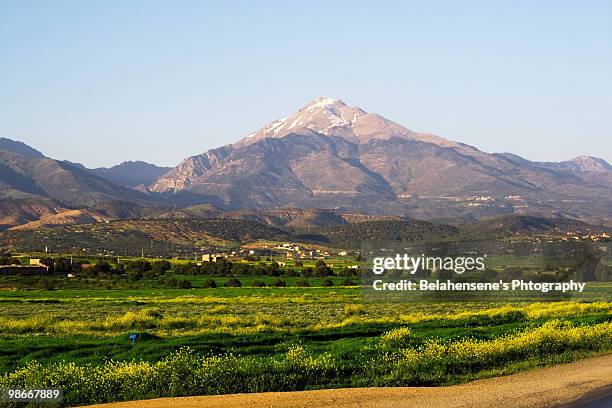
x=256, y=339
x=265, y=316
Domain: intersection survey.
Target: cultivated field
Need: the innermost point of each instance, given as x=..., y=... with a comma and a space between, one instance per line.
x=233, y=340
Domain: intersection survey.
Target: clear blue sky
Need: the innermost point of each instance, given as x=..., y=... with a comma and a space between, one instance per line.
x=100, y=82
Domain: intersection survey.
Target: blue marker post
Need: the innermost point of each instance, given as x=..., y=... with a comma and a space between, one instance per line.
x=133, y=338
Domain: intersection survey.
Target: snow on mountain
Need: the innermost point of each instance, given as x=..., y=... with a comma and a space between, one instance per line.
x=332, y=117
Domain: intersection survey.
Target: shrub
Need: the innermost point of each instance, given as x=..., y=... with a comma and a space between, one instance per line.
x=233, y=283
x=169, y=283
x=184, y=284
x=6, y=260
x=291, y=273
x=393, y=361
x=306, y=272
x=327, y=282
x=257, y=283
x=345, y=272
x=46, y=283
x=395, y=338
x=139, y=265
x=303, y=282
x=134, y=275
x=209, y=283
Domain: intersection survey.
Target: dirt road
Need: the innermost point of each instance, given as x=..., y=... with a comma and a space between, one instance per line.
x=546, y=387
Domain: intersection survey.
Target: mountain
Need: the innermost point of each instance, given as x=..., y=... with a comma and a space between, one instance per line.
x=14, y=146
x=333, y=117
x=58, y=180
x=34, y=187
x=334, y=156
x=586, y=163
x=22, y=210
x=67, y=217
x=326, y=165
x=592, y=170
x=582, y=163
x=132, y=173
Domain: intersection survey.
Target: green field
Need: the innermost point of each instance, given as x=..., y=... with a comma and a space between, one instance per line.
x=73, y=332
x=262, y=339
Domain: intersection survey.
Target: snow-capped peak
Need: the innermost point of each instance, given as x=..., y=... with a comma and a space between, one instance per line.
x=332, y=117
x=323, y=101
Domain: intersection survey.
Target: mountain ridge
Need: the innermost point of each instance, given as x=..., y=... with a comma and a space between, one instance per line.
x=16, y=146
x=332, y=155
x=132, y=173
x=327, y=156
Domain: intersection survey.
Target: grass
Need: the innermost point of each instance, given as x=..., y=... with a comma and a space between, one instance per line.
x=262, y=339
x=395, y=358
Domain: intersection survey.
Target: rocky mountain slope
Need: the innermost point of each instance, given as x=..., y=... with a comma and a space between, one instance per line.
x=34, y=187
x=328, y=156
x=57, y=180
x=15, y=146
x=332, y=155
x=132, y=173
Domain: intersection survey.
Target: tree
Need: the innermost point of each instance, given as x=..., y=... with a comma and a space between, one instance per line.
x=274, y=269
x=62, y=265
x=139, y=265
x=103, y=267
x=243, y=269
x=222, y=267
x=306, y=273
x=5, y=260
x=345, y=272
x=134, y=275
x=160, y=267
x=321, y=269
